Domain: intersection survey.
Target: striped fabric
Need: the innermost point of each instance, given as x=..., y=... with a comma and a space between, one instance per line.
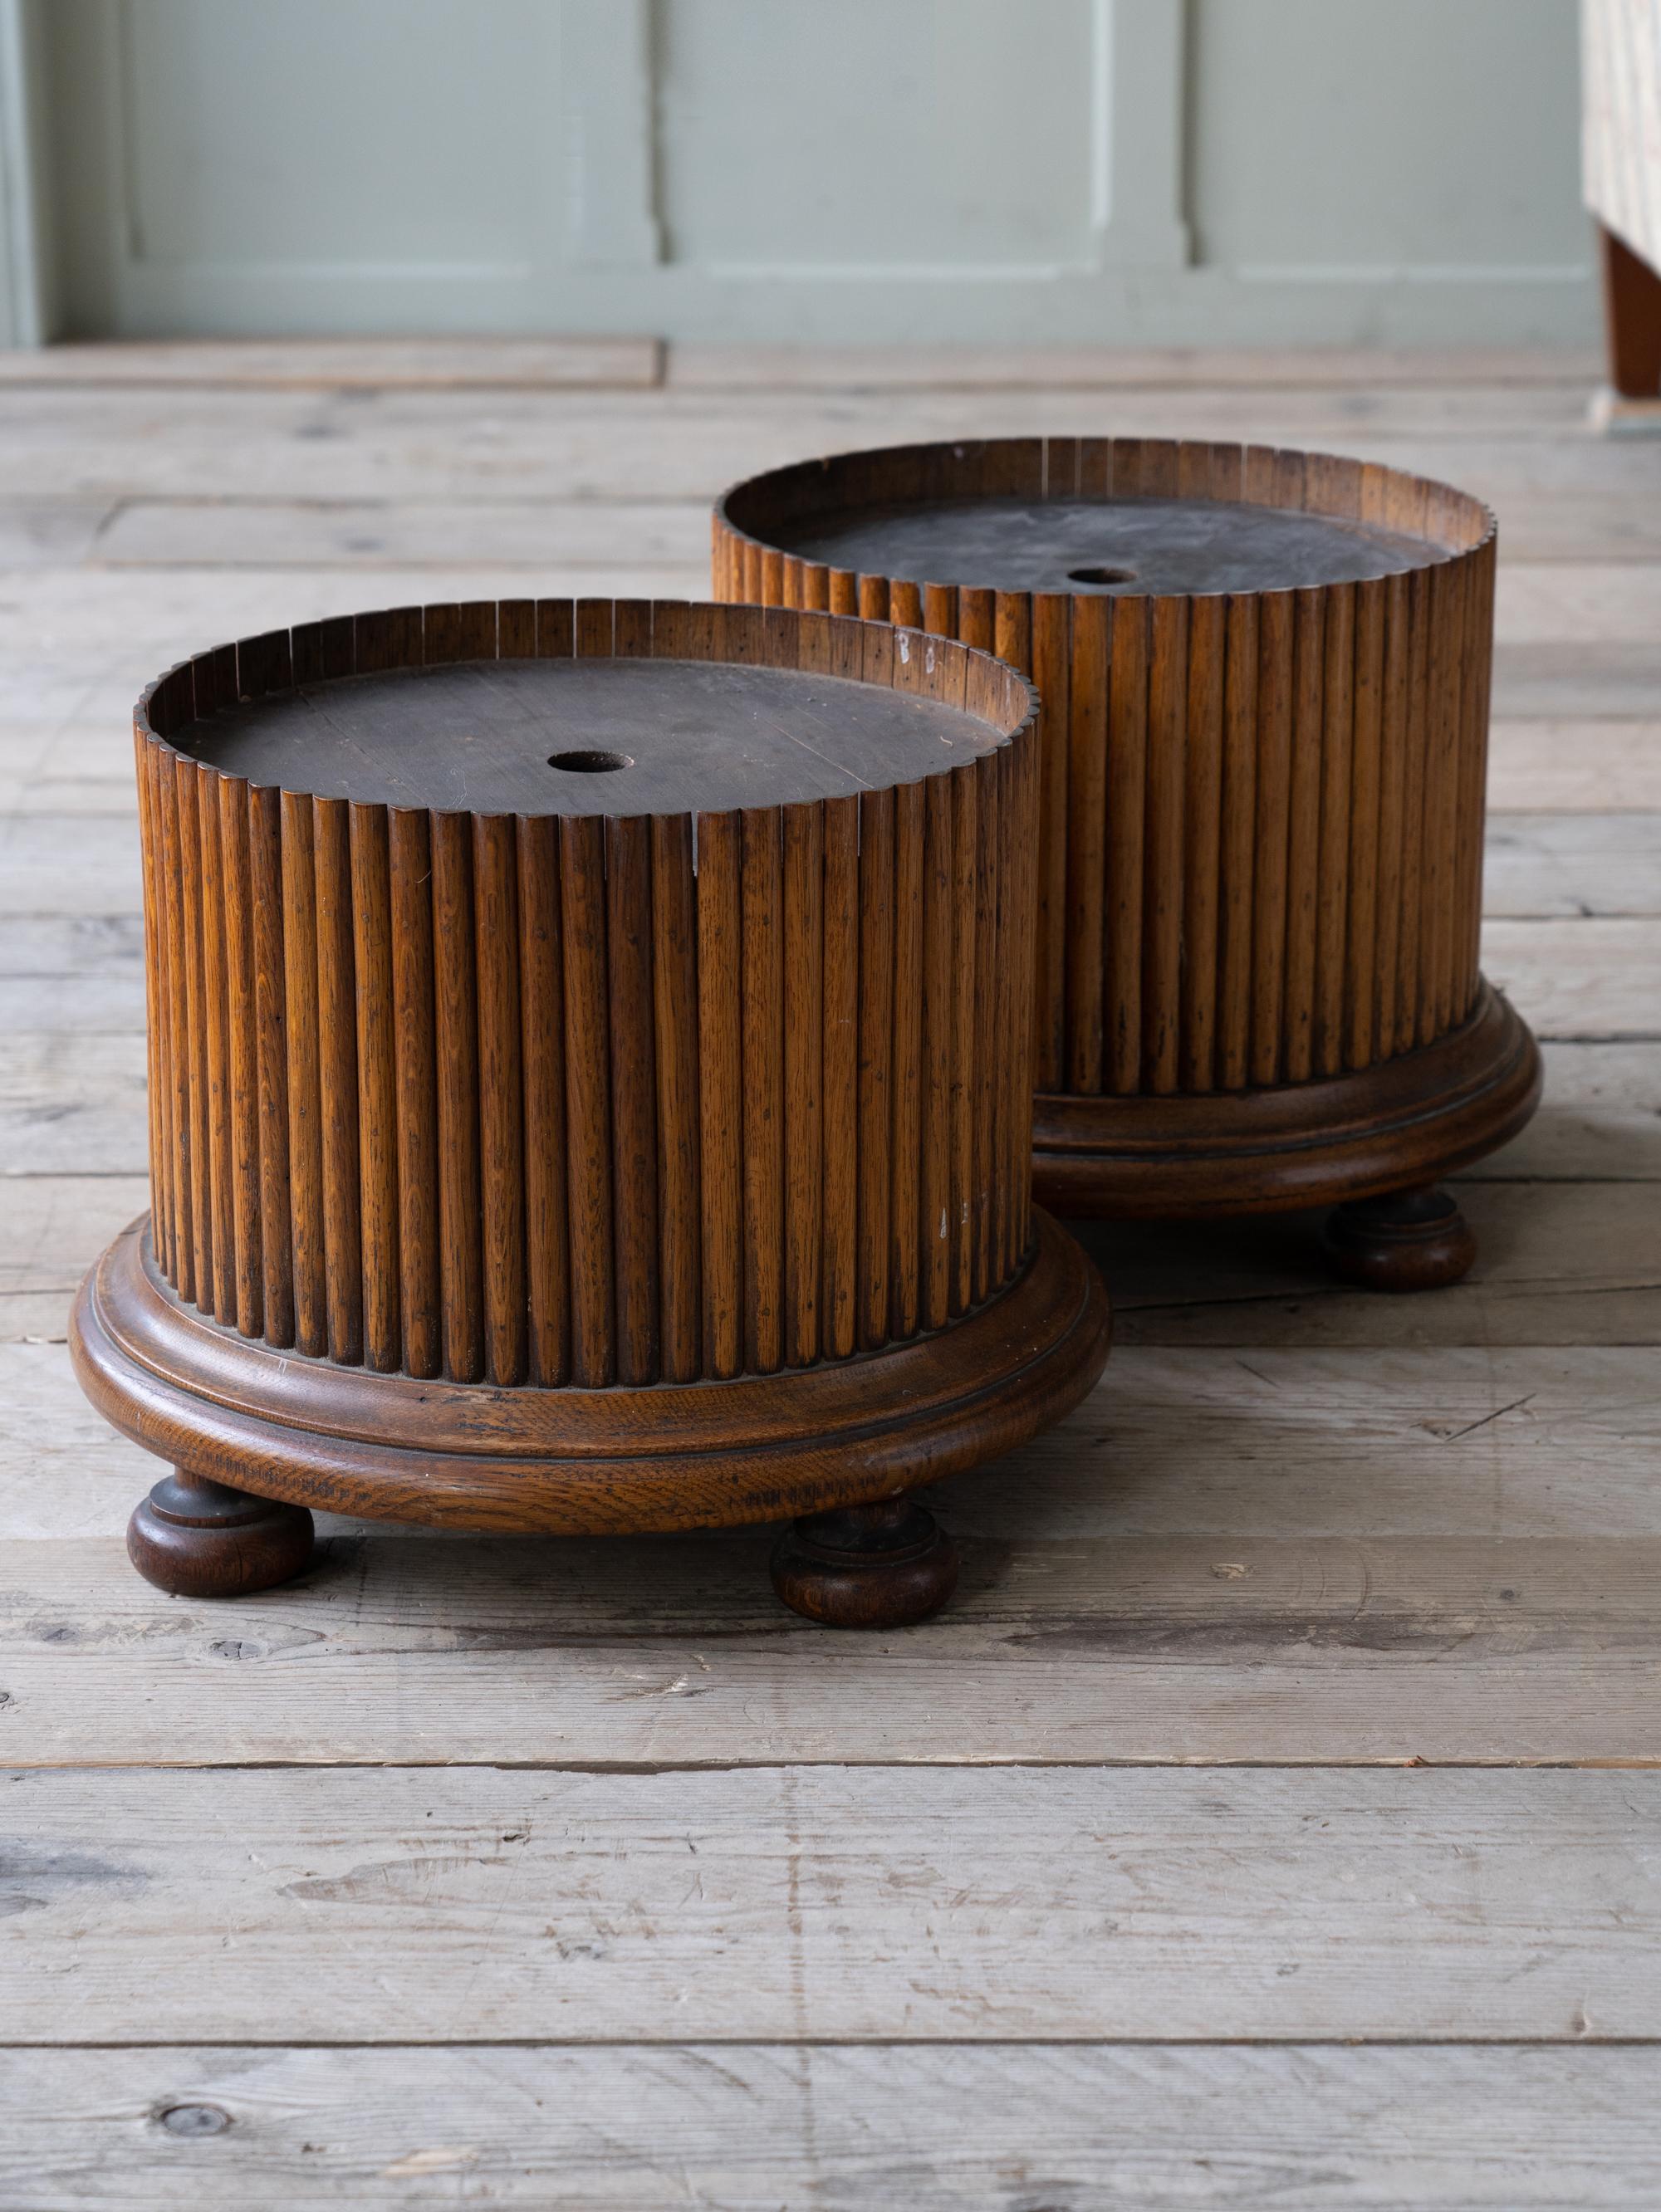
x=1620, y=154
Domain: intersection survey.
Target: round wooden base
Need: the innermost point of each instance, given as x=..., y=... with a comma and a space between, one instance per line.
x=229, y=1410
x=1393, y=1127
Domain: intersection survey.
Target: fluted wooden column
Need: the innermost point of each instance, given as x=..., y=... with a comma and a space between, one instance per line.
x=1261, y=807
x=589, y=1100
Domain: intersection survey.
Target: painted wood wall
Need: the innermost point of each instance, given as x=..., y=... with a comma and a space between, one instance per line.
x=1141, y=172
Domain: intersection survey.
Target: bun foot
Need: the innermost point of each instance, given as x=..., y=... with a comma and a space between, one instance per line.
x=866, y=1567
x=1409, y=1240
x=201, y=1539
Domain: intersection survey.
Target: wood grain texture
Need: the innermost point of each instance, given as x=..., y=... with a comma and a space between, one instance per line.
x=300, y=1002
x=377, y=1102
x=1260, y=812
x=747, y=2127
x=1339, y=1648
x=1510, y=1905
x=588, y=1099
x=1448, y=1528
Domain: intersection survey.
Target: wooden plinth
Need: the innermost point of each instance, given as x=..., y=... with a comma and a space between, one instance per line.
x=1265, y=684
x=576, y=1462
x=585, y=1095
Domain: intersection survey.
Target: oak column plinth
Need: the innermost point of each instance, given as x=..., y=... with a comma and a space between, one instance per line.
x=568, y=1113
x=1264, y=679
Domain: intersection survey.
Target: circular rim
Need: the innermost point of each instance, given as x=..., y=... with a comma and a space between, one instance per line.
x=406, y=641
x=1407, y=1119
x=1453, y=524
x=570, y=1462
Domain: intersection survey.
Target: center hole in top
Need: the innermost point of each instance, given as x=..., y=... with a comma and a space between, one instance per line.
x=1101, y=575
x=590, y=762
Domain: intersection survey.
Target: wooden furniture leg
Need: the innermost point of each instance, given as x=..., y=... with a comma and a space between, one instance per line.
x=1632, y=321
x=201, y=1539
x=866, y=1566
x=1407, y=1240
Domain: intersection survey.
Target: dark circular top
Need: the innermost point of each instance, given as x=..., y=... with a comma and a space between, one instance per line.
x=588, y=736
x=1115, y=545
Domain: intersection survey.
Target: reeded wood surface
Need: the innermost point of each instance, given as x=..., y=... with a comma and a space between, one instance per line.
x=1297, y=1526
x=1261, y=811
x=578, y=1099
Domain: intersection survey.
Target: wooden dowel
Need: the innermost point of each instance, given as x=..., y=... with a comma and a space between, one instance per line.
x=1202, y=819
x=184, y=1240
x=1167, y=767
x=1441, y=669
x=983, y=1067
x=1237, y=890
x=1392, y=801
x=763, y=939
x=338, y=1073
x=803, y=898
x=995, y=621
x=500, y=1096
x=455, y=1011
x=905, y=1192
x=675, y=984
x=194, y=1067
x=1479, y=651
x=1027, y=844
x=938, y=1019
x=1086, y=816
x=965, y=1003
x=216, y=1009
x=542, y=1051
x=304, y=1123
x=840, y=1116
x=1413, y=818
x=416, y=1080
x=876, y=1018
x=634, y=1095
x=721, y=1066
x=939, y=610
x=1448, y=585
x=588, y=1100
x=147, y=896
x=242, y=1022
x=267, y=878
x=1332, y=874
x=1268, y=921
x=1361, y=946
x=1051, y=667
x=1127, y=802
x=377, y=1084
x=1007, y=994
x=594, y=629
x=163, y=1194
x=905, y=604
x=1304, y=834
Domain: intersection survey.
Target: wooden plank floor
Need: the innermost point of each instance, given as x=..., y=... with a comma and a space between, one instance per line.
x=1274, y=1819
